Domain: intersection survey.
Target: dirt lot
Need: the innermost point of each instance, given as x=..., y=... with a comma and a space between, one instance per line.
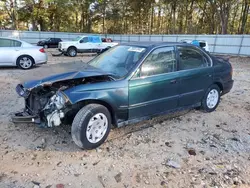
x=188, y=149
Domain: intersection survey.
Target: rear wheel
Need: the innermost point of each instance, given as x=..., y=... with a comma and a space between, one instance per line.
x=91, y=126
x=72, y=52
x=25, y=62
x=211, y=99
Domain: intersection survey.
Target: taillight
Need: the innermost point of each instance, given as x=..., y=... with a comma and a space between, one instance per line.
x=42, y=50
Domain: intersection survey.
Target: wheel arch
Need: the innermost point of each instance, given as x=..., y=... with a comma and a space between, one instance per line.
x=83, y=103
x=72, y=47
x=220, y=85
x=33, y=60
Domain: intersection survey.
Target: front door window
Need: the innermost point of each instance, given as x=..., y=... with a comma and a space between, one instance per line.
x=160, y=61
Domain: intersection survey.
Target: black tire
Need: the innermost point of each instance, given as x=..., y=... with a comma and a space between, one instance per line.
x=72, y=51
x=20, y=64
x=204, y=104
x=80, y=125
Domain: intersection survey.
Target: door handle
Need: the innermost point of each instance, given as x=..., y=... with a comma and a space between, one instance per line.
x=173, y=81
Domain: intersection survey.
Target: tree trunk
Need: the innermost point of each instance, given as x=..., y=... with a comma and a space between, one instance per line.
x=244, y=17
x=13, y=15
x=233, y=19
x=159, y=19
x=174, y=17
x=224, y=11
x=186, y=17
x=190, y=16
x=152, y=19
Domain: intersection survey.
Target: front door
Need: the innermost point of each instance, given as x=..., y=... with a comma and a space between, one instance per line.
x=154, y=88
x=84, y=45
x=196, y=75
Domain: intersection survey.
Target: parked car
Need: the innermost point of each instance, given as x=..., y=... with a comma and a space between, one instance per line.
x=49, y=43
x=202, y=43
x=128, y=84
x=107, y=40
x=15, y=52
x=85, y=44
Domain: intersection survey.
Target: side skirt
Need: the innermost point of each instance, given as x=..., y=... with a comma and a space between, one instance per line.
x=136, y=120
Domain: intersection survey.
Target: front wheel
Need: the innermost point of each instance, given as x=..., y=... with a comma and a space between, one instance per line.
x=91, y=126
x=211, y=99
x=72, y=52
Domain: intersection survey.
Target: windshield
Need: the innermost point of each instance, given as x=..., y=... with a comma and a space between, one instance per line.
x=77, y=38
x=119, y=60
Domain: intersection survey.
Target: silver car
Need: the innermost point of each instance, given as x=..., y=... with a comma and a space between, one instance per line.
x=15, y=52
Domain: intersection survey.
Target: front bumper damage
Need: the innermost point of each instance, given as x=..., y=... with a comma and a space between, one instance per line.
x=24, y=117
x=46, y=101
x=46, y=111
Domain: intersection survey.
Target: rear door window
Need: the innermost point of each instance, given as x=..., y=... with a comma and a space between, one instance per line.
x=16, y=43
x=9, y=43
x=191, y=58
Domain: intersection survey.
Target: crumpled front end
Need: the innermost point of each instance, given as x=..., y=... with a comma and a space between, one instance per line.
x=46, y=103
x=42, y=106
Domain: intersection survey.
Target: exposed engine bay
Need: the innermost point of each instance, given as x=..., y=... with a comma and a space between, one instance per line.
x=46, y=104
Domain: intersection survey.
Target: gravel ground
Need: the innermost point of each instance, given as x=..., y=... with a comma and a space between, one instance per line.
x=187, y=149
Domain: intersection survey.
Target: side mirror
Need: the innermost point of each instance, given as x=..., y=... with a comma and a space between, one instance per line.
x=81, y=41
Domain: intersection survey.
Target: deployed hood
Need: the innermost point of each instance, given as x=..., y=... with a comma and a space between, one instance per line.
x=86, y=71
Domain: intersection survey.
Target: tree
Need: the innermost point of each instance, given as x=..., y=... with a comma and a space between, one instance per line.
x=128, y=16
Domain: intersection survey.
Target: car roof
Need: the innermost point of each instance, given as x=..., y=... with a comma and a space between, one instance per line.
x=155, y=44
x=11, y=39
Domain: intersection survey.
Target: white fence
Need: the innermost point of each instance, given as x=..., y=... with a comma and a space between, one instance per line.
x=223, y=44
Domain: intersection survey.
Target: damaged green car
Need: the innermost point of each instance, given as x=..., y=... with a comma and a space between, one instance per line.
x=126, y=84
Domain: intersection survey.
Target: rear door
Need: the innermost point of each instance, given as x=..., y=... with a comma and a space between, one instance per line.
x=96, y=43
x=154, y=89
x=196, y=74
x=9, y=49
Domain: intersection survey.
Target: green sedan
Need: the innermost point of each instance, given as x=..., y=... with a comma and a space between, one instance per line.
x=126, y=84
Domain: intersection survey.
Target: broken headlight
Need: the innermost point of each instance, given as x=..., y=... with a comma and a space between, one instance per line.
x=60, y=100
x=21, y=91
